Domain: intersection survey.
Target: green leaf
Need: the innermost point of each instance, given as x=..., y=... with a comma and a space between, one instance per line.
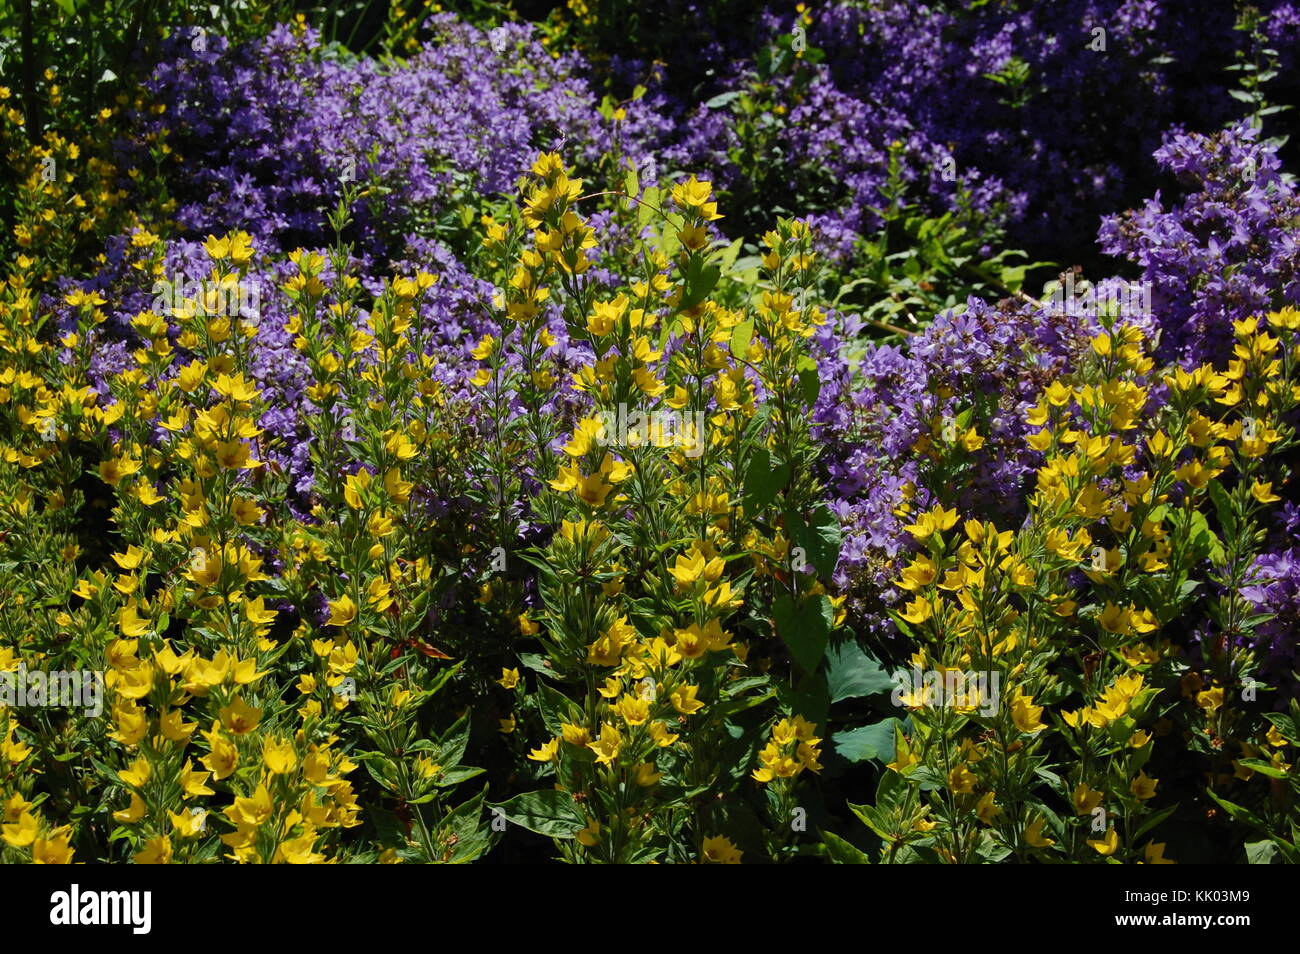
x=842, y=852
x=722, y=99
x=873, y=818
x=1263, y=768
x=726, y=259
x=1236, y=811
x=555, y=707
x=805, y=628
x=1260, y=852
x=819, y=538
x=473, y=836
x=700, y=279
x=810, y=382
x=762, y=482
x=741, y=336
x=867, y=743
x=547, y=812
x=1148, y=824
x=851, y=672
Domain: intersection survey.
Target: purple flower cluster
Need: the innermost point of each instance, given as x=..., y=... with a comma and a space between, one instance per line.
x=1275, y=590
x=1227, y=250
x=1038, y=117
x=267, y=133
x=1060, y=102
x=991, y=361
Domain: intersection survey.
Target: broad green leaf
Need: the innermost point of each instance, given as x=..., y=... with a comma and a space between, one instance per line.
x=867, y=743
x=804, y=627
x=851, y=673
x=547, y=812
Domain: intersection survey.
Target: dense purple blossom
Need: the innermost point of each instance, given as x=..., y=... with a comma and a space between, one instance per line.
x=1226, y=251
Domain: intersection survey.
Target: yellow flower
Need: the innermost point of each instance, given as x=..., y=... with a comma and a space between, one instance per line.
x=986, y=809
x=933, y=520
x=175, y=728
x=961, y=781
x=133, y=812
x=54, y=849
x=1085, y=799
x=194, y=783
x=608, y=745
x=279, y=757
x=189, y=822
x=1143, y=787
x=1263, y=492
x=589, y=837
x=223, y=757
x=719, y=850
x=1034, y=834
x=684, y=701
x=251, y=810
x=1154, y=853
x=633, y=709
x=239, y=717
x=21, y=832
x=645, y=775
x=300, y=850
x=509, y=678
x=137, y=773
x=1106, y=845
x=545, y=752
x=342, y=611
x=662, y=737
x=1026, y=715
x=156, y=851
